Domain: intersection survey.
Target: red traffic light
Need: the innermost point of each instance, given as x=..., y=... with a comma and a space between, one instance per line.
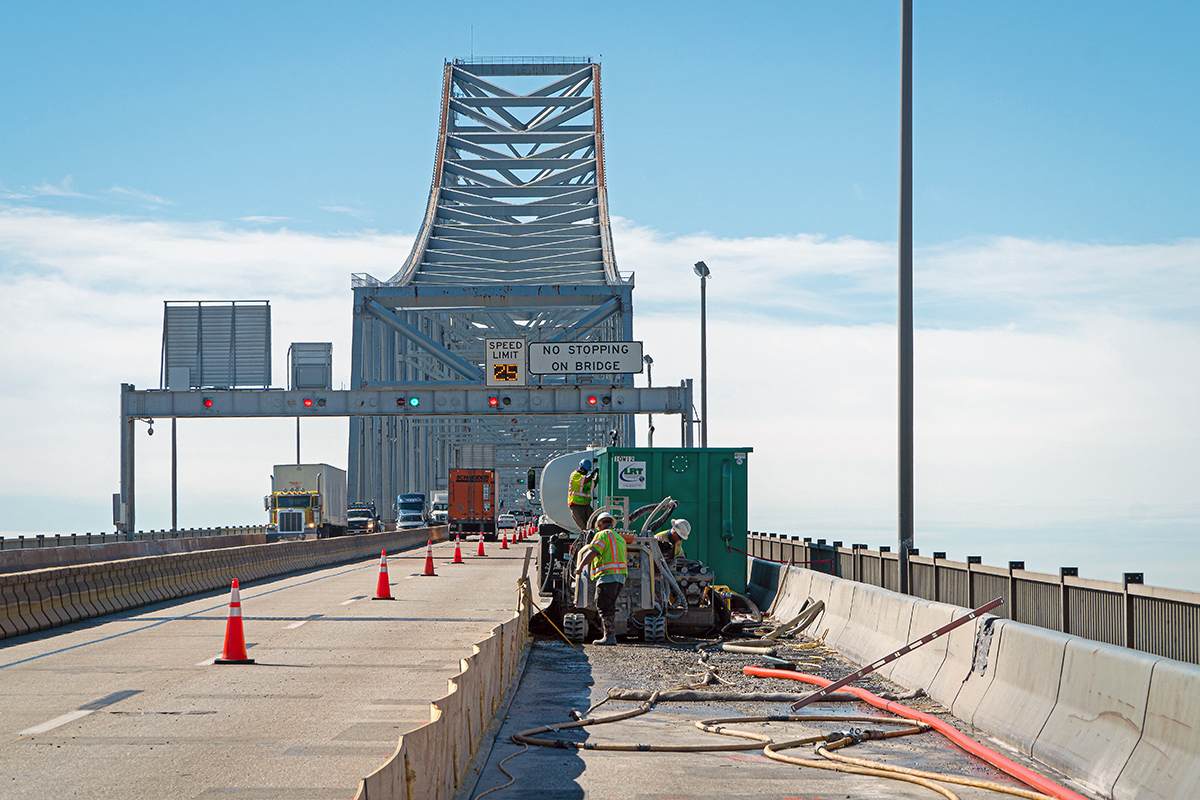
x=592, y=401
x=308, y=402
x=208, y=402
x=493, y=401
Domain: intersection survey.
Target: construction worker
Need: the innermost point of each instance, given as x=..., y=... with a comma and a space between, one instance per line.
x=671, y=540
x=607, y=549
x=579, y=495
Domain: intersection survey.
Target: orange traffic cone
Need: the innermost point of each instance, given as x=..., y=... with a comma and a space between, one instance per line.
x=383, y=590
x=504, y=542
x=457, y=552
x=234, y=651
x=429, y=573
x=481, y=553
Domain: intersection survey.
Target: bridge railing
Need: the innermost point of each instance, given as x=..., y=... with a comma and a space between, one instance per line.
x=1164, y=622
x=83, y=539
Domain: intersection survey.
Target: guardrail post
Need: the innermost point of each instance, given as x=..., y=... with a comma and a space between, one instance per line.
x=937, y=576
x=971, y=581
x=1127, y=636
x=856, y=562
x=1013, y=566
x=1064, y=602
x=837, y=559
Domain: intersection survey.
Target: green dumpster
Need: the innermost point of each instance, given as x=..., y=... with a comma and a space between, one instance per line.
x=710, y=485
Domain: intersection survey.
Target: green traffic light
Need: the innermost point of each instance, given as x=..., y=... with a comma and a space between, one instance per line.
x=414, y=401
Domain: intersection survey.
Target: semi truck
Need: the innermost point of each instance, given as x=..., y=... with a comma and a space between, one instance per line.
x=472, y=502
x=410, y=511
x=439, y=513
x=307, y=498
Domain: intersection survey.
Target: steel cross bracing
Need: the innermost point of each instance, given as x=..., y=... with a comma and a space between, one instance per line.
x=515, y=242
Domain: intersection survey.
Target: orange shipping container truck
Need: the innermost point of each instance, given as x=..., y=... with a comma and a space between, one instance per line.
x=473, y=502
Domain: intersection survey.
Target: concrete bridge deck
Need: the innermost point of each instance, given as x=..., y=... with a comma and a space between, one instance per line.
x=130, y=705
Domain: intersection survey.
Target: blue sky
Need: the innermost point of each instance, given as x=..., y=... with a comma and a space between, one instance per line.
x=1046, y=120
x=248, y=151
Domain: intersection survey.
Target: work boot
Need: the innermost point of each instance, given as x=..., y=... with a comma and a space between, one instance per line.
x=610, y=630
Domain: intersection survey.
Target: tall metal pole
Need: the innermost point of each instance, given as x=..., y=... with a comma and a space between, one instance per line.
x=906, y=311
x=649, y=385
x=703, y=363
x=174, y=477
x=128, y=466
x=297, y=441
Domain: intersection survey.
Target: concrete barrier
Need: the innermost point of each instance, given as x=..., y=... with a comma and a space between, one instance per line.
x=31, y=558
x=46, y=598
x=431, y=761
x=1121, y=721
x=1100, y=711
x=1164, y=764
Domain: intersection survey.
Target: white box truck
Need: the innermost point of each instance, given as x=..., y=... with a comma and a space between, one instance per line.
x=307, y=498
x=439, y=515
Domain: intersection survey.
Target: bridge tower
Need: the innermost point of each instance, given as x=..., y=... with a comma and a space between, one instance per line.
x=515, y=242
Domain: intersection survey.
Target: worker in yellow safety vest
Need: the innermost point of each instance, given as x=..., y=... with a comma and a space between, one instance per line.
x=607, y=550
x=579, y=495
x=671, y=540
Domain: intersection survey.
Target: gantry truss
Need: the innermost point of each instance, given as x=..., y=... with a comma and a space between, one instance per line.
x=515, y=242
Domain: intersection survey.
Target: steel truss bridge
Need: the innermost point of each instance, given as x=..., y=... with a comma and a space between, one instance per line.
x=515, y=243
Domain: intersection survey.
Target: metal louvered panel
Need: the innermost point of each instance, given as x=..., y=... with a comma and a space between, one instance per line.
x=223, y=345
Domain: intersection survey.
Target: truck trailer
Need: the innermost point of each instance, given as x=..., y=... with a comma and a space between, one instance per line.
x=472, y=507
x=307, y=498
x=411, y=511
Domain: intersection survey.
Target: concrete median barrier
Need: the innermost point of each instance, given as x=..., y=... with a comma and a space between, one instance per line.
x=1099, y=713
x=46, y=598
x=1025, y=687
x=1121, y=721
x=431, y=761
x=1164, y=764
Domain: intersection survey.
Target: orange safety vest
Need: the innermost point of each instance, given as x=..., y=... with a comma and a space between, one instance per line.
x=580, y=493
x=610, y=547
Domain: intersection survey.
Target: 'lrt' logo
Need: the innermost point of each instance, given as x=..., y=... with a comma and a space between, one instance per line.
x=632, y=473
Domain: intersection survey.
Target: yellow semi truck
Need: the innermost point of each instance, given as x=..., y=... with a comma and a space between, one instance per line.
x=307, y=498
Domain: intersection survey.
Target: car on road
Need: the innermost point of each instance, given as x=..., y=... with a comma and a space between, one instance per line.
x=506, y=524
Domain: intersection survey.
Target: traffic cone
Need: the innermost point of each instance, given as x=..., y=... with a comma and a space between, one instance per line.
x=480, y=552
x=504, y=542
x=383, y=590
x=234, y=651
x=429, y=573
x=457, y=552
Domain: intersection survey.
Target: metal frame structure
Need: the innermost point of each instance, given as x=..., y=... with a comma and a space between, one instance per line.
x=515, y=242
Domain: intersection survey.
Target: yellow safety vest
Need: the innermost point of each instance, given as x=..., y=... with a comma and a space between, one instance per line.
x=610, y=547
x=665, y=537
x=580, y=493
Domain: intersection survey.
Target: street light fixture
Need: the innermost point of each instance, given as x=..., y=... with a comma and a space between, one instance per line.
x=702, y=270
x=649, y=385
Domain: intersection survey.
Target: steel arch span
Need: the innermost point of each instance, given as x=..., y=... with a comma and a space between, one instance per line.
x=515, y=243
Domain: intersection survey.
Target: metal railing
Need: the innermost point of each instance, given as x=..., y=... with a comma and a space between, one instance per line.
x=83, y=539
x=1164, y=622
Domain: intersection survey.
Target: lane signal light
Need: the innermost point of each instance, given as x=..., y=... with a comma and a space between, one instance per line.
x=414, y=401
x=208, y=403
x=308, y=402
x=591, y=401
x=493, y=401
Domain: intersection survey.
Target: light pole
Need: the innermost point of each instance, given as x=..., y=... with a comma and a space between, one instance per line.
x=702, y=270
x=906, y=308
x=649, y=385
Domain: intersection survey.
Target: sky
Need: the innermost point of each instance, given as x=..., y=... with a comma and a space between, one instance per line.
x=269, y=150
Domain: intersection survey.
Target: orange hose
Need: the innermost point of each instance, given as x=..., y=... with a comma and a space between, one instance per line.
x=1011, y=768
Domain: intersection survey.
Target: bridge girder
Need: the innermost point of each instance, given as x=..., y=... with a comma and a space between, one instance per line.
x=515, y=242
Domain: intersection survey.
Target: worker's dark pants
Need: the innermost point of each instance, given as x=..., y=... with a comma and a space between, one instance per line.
x=581, y=514
x=606, y=598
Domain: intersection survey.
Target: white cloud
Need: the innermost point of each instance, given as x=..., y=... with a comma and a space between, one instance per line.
x=65, y=188
x=152, y=200
x=357, y=213
x=1074, y=405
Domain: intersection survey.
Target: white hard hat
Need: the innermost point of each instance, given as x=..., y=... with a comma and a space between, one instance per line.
x=604, y=515
x=681, y=527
